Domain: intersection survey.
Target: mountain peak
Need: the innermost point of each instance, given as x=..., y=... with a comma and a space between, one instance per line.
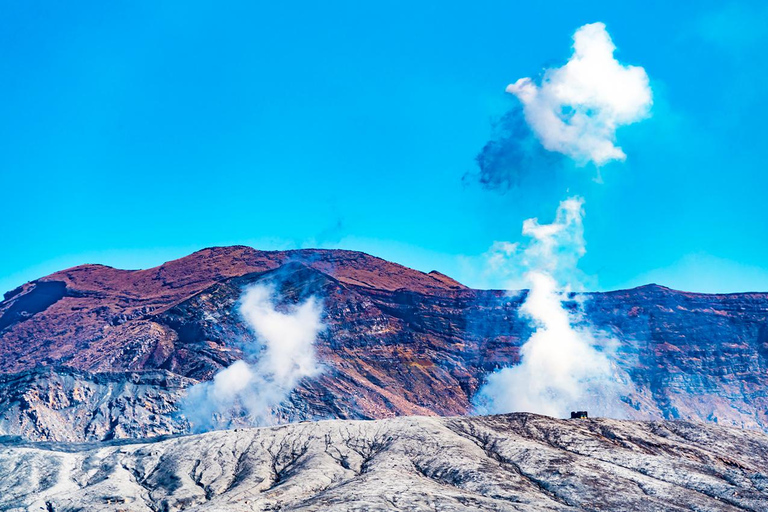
x=398, y=341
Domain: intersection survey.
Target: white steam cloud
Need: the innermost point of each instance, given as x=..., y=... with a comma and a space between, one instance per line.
x=284, y=355
x=578, y=107
x=564, y=365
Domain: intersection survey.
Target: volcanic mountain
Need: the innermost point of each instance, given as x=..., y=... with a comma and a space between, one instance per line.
x=94, y=352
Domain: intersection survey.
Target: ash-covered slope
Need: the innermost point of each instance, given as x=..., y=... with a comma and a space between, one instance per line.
x=517, y=462
x=399, y=342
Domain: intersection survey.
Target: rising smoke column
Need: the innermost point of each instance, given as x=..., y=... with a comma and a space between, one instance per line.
x=283, y=355
x=564, y=365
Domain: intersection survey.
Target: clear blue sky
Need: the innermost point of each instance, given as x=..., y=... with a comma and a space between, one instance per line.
x=136, y=132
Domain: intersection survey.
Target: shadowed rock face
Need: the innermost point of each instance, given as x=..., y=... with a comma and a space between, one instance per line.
x=399, y=342
x=68, y=404
x=517, y=462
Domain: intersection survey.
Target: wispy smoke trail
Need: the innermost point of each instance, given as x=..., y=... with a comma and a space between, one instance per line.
x=564, y=365
x=513, y=155
x=283, y=356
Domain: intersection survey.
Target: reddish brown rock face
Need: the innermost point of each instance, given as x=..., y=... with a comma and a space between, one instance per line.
x=398, y=341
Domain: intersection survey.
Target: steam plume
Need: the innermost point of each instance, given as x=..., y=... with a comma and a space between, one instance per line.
x=283, y=356
x=564, y=365
x=578, y=107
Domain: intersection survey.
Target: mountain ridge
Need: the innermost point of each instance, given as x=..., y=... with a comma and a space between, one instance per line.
x=398, y=342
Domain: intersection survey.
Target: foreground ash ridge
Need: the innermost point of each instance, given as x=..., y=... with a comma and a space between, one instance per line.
x=516, y=462
x=97, y=353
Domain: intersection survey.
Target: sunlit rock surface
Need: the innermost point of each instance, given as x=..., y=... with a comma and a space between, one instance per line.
x=399, y=342
x=511, y=462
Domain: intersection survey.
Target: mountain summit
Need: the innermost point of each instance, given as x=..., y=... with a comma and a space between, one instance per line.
x=94, y=352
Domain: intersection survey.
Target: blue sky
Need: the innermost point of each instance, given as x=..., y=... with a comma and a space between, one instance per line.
x=133, y=133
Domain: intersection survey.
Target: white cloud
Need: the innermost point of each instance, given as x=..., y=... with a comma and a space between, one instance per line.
x=578, y=107
x=288, y=337
x=283, y=356
x=564, y=365
x=557, y=248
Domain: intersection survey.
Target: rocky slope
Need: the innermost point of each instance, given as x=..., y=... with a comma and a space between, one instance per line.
x=83, y=349
x=517, y=462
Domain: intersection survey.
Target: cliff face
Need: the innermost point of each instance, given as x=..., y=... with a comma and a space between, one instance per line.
x=516, y=462
x=399, y=342
x=67, y=404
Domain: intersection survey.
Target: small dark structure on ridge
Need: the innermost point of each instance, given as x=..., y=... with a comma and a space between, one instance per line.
x=579, y=415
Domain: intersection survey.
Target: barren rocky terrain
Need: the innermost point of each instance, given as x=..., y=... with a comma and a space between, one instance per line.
x=516, y=462
x=97, y=353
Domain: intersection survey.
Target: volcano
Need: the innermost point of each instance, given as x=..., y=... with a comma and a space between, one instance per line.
x=98, y=353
